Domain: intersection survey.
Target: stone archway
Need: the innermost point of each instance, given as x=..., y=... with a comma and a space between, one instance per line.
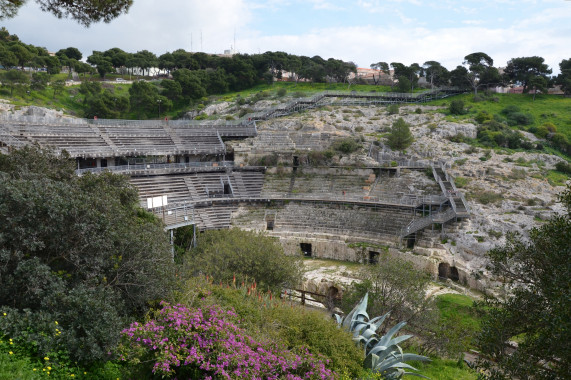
x=445, y=271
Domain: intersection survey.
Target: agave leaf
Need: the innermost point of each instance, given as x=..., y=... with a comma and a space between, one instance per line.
x=339, y=319
x=386, y=338
x=370, y=361
x=358, y=327
x=378, y=321
x=371, y=342
x=403, y=365
x=383, y=351
x=399, y=339
x=390, y=362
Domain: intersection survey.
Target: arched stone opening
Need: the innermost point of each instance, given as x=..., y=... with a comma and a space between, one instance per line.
x=445, y=271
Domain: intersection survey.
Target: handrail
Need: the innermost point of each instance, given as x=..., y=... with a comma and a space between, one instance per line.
x=418, y=224
x=149, y=167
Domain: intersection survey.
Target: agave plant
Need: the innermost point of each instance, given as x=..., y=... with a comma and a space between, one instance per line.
x=382, y=354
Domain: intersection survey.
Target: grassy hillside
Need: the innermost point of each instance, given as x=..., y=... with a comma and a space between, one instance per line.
x=545, y=108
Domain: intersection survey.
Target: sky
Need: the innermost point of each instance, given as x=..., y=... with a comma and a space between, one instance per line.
x=361, y=31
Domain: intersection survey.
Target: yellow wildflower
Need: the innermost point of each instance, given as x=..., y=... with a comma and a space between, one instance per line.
x=57, y=323
x=46, y=358
x=49, y=368
x=4, y=314
x=11, y=353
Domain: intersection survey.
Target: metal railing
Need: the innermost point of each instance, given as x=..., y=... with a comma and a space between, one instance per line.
x=150, y=167
x=419, y=224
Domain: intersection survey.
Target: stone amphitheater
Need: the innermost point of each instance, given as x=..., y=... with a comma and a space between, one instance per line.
x=258, y=173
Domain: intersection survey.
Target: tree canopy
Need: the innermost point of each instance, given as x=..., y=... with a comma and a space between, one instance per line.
x=538, y=308
x=76, y=250
x=400, y=136
x=524, y=70
x=84, y=12
x=247, y=255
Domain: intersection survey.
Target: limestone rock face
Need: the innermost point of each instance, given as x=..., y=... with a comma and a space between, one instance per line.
x=216, y=108
x=447, y=129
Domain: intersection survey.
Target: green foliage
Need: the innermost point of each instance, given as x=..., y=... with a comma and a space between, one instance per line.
x=247, y=255
x=461, y=181
x=346, y=145
x=457, y=107
x=537, y=310
x=82, y=256
x=393, y=109
x=514, y=116
x=394, y=284
x=400, y=137
x=486, y=197
x=563, y=167
x=293, y=325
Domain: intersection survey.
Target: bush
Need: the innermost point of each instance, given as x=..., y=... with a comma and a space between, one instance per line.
x=281, y=92
x=245, y=255
x=85, y=255
x=457, y=107
x=271, y=318
x=400, y=136
x=346, y=145
x=483, y=116
x=393, y=109
x=563, y=167
x=206, y=342
x=418, y=110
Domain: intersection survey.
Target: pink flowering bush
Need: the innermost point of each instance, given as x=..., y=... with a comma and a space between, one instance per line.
x=206, y=343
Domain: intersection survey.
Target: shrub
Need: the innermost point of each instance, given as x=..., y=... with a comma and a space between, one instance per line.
x=86, y=255
x=457, y=107
x=563, y=167
x=418, y=110
x=400, y=136
x=487, y=197
x=224, y=254
x=483, y=116
x=265, y=317
x=281, y=92
x=461, y=181
x=206, y=343
x=346, y=145
x=393, y=109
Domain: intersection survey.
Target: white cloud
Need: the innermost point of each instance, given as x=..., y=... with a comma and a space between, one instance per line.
x=367, y=44
x=154, y=25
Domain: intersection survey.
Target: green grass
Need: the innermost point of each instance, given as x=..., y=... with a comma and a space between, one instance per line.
x=546, y=108
x=12, y=367
x=444, y=369
x=458, y=307
x=556, y=178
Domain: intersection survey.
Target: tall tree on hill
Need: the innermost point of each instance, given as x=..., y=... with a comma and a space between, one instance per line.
x=22, y=53
x=481, y=71
x=146, y=60
x=15, y=79
x=101, y=62
x=410, y=72
x=437, y=74
x=522, y=70
x=459, y=77
x=383, y=67
x=564, y=78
